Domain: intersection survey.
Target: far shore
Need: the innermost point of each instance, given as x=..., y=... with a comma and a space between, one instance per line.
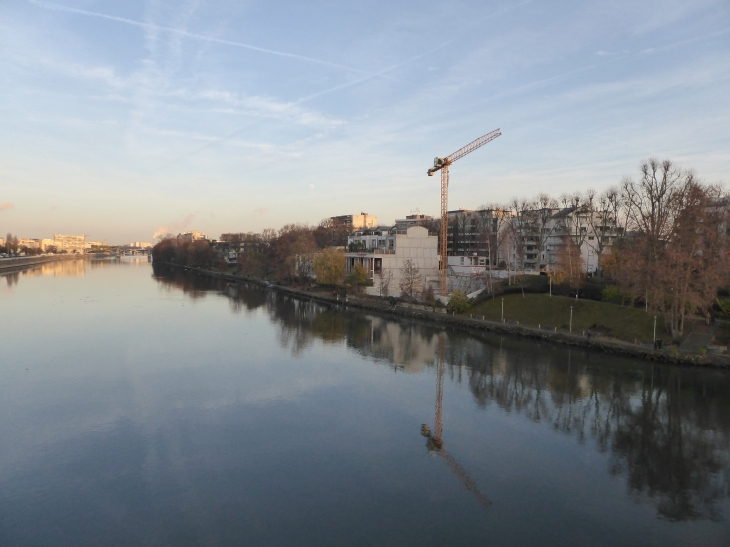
x=25, y=261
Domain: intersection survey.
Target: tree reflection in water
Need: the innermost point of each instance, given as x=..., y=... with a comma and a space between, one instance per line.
x=665, y=428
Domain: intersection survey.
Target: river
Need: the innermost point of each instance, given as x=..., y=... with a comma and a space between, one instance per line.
x=146, y=406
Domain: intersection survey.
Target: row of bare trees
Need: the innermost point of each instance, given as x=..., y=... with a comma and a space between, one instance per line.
x=675, y=255
x=663, y=238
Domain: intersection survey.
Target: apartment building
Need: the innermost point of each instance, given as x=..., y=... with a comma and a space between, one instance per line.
x=192, y=235
x=542, y=237
x=69, y=243
x=357, y=222
x=386, y=249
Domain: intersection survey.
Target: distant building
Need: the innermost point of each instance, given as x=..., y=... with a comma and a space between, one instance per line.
x=29, y=243
x=542, y=236
x=414, y=220
x=69, y=243
x=357, y=222
x=135, y=244
x=386, y=248
x=192, y=235
x=471, y=233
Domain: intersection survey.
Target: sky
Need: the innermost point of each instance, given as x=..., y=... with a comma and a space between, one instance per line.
x=123, y=120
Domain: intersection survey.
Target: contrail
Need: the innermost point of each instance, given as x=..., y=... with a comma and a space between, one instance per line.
x=59, y=7
x=370, y=76
x=616, y=59
x=227, y=136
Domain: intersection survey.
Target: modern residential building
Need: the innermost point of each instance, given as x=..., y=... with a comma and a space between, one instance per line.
x=357, y=222
x=385, y=249
x=69, y=243
x=415, y=220
x=543, y=238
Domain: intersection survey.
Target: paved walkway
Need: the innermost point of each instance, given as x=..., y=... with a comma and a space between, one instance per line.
x=699, y=337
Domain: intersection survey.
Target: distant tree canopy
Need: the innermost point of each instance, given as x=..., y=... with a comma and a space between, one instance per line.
x=184, y=252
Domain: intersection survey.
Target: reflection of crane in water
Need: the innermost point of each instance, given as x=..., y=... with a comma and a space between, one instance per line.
x=435, y=441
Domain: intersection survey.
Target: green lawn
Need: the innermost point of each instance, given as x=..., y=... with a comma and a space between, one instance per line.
x=539, y=309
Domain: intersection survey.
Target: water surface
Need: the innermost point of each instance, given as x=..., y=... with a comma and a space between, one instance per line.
x=151, y=407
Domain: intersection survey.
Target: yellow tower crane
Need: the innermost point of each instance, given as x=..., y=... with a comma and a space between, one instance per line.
x=443, y=164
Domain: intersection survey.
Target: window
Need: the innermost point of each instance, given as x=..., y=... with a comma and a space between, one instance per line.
x=462, y=260
x=590, y=238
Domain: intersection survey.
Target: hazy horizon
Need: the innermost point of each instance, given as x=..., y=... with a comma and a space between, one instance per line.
x=123, y=120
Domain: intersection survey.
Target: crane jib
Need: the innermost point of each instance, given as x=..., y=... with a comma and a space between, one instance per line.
x=478, y=143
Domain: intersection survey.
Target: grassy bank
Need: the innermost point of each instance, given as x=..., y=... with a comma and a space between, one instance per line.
x=539, y=309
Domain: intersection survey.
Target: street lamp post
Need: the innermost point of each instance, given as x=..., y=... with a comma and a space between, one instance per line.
x=551, y=286
x=503, y=310
x=571, y=319
x=655, y=331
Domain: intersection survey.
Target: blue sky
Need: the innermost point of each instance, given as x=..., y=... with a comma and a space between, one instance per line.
x=121, y=119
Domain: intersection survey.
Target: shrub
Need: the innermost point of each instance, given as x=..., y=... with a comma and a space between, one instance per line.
x=458, y=303
x=612, y=294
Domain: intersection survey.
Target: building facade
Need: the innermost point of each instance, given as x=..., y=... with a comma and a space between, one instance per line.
x=69, y=243
x=357, y=222
x=383, y=252
x=543, y=239
x=192, y=235
x=29, y=243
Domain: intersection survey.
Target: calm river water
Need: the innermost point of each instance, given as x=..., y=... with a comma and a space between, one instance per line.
x=147, y=407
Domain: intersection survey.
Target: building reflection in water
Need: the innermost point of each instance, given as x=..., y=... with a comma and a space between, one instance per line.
x=56, y=268
x=666, y=429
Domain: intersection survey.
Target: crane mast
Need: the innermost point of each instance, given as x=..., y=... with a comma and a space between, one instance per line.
x=443, y=164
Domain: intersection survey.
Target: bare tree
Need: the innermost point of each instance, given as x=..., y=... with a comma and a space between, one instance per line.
x=410, y=282
x=570, y=268
x=604, y=221
x=385, y=277
x=676, y=257
x=520, y=226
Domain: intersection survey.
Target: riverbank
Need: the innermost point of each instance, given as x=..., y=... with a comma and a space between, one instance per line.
x=25, y=261
x=476, y=324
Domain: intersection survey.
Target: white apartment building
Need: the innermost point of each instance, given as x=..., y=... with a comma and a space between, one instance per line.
x=385, y=249
x=541, y=236
x=69, y=243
